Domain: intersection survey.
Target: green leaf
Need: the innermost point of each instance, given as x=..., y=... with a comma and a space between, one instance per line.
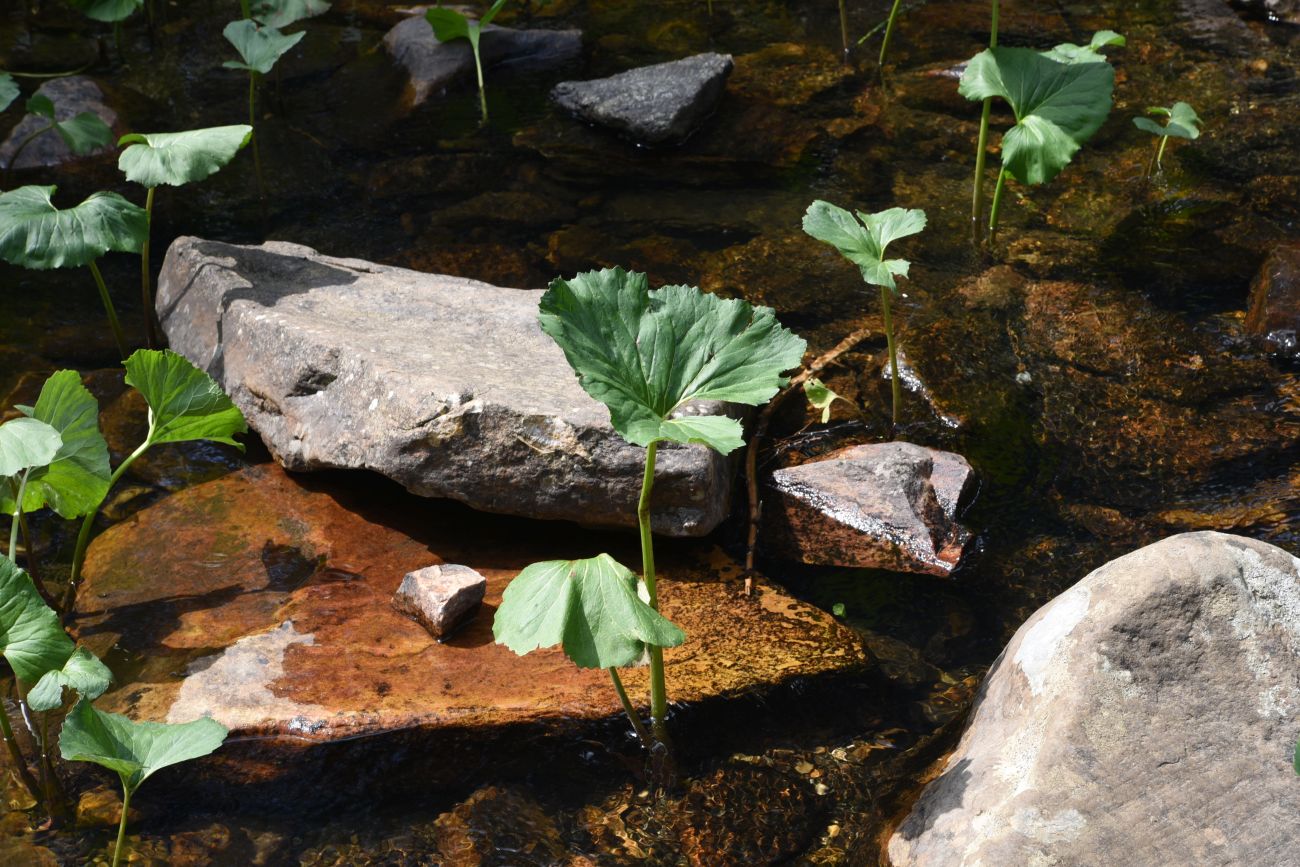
x=590, y=607
x=76, y=480
x=82, y=134
x=448, y=24
x=1183, y=121
x=1058, y=106
x=184, y=402
x=136, y=750
x=8, y=90
x=83, y=673
x=282, y=13
x=39, y=104
x=645, y=354
x=179, y=158
x=31, y=639
x=26, y=444
x=36, y=234
x=821, y=397
x=1297, y=757
x=260, y=47
x=109, y=11
x=1068, y=52
x=863, y=240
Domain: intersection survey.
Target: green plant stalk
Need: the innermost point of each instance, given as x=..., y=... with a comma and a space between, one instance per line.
x=996, y=208
x=896, y=387
x=245, y=7
x=37, y=724
x=121, y=824
x=1160, y=154
x=252, y=121
x=844, y=27
x=83, y=536
x=13, y=160
x=16, y=756
x=889, y=31
x=146, y=293
x=478, y=71
x=108, y=308
x=18, y=512
x=658, y=687
x=981, y=146
x=637, y=726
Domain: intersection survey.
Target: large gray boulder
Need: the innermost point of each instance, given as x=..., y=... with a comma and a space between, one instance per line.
x=445, y=385
x=657, y=104
x=1145, y=716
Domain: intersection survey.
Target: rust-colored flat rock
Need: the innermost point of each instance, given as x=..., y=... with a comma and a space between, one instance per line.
x=265, y=601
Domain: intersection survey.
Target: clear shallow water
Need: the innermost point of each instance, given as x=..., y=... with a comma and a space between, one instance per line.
x=1144, y=412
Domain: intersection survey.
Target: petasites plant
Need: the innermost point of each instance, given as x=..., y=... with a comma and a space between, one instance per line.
x=448, y=24
x=82, y=133
x=135, y=751
x=174, y=159
x=260, y=47
x=36, y=234
x=863, y=240
x=1181, y=121
x=645, y=354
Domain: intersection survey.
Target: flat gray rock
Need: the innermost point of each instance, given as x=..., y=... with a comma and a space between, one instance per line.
x=433, y=66
x=656, y=104
x=1146, y=716
x=446, y=385
x=71, y=96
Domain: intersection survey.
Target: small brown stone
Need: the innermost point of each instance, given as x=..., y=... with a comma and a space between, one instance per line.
x=1274, y=311
x=440, y=598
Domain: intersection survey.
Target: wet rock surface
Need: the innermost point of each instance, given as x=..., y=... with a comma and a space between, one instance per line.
x=1145, y=716
x=658, y=104
x=1274, y=311
x=71, y=96
x=445, y=385
x=440, y=598
x=885, y=505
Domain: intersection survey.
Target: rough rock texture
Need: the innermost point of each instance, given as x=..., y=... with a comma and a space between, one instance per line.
x=440, y=597
x=444, y=384
x=884, y=505
x=267, y=603
x=1145, y=716
x=71, y=96
x=433, y=65
x=1274, y=311
x=651, y=104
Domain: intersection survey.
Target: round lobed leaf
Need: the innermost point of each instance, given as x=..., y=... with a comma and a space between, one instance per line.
x=36, y=234
x=179, y=158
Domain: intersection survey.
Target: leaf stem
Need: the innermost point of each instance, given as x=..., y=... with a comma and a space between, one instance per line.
x=18, y=512
x=889, y=32
x=478, y=70
x=996, y=208
x=895, y=383
x=146, y=295
x=637, y=725
x=121, y=824
x=108, y=308
x=981, y=146
x=1160, y=154
x=83, y=537
x=844, y=26
x=658, y=687
x=257, y=153
x=16, y=756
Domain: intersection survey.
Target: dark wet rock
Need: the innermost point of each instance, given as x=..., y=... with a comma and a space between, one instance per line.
x=1212, y=25
x=441, y=597
x=321, y=679
x=1274, y=311
x=885, y=505
x=1145, y=716
x=498, y=826
x=445, y=385
x=434, y=66
x=1281, y=11
x=658, y=104
x=71, y=96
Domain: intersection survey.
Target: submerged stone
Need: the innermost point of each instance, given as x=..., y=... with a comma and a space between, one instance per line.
x=71, y=95
x=1274, y=311
x=657, y=104
x=320, y=678
x=1145, y=716
x=441, y=597
x=446, y=385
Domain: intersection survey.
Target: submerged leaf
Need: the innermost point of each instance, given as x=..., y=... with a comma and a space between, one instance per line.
x=179, y=158
x=31, y=639
x=136, y=750
x=109, y=11
x=645, y=353
x=184, y=402
x=1183, y=122
x=76, y=480
x=590, y=607
x=863, y=243
x=36, y=234
x=26, y=444
x=8, y=90
x=83, y=673
x=282, y=13
x=821, y=397
x=260, y=47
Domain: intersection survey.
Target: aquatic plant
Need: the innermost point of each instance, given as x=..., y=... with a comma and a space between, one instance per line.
x=1060, y=99
x=889, y=31
x=82, y=134
x=176, y=159
x=820, y=396
x=185, y=404
x=35, y=234
x=134, y=750
x=863, y=240
x=448, y=24
x=646, y=355
x=260, y=47
x=1181, y=122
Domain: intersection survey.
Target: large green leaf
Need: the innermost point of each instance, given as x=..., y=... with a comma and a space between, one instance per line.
x=863, y=240
x=590, y=607
x=1058, y=106
x=26, y=444
x=1183, y=122
x=184, y=402
x=8, y=90
x=107, y=10
x=136, y=750
x=82, y=134
x=31, y=639
x=83, y=673
x=282, y=13
x=260, y=47
x=448, y=24
x=645, y=354
x=76, y=480
x=179, y=158
x=36, y=234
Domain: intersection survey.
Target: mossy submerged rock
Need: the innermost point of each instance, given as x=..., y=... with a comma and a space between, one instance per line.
x=266, y=602
x=1145, y=716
